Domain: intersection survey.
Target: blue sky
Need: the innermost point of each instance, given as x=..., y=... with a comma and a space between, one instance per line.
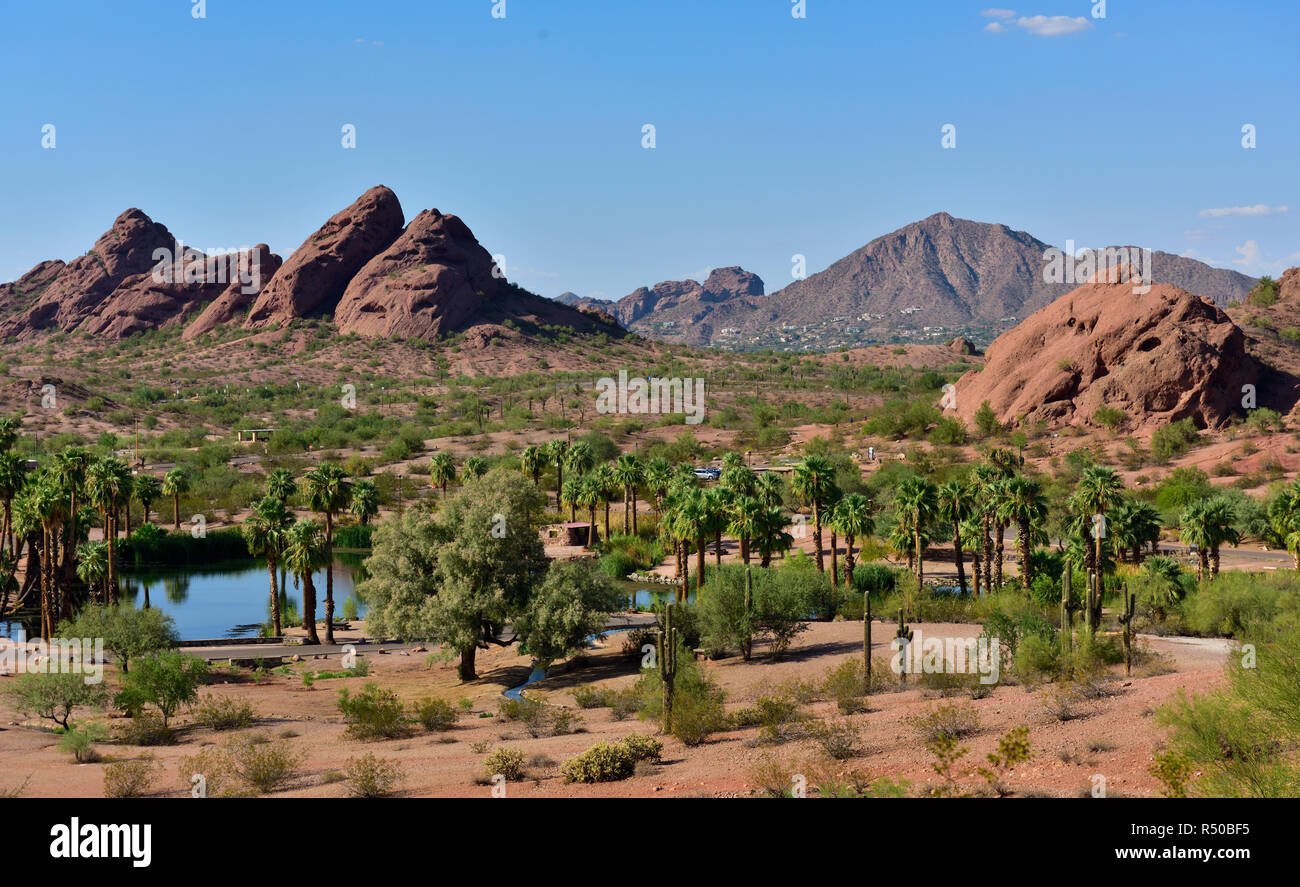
x=774, y=135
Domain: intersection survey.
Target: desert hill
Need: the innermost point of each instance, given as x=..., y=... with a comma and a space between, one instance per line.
x=1157, y=357
x=381, y=277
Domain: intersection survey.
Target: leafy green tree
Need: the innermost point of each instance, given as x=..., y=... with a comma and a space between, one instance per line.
x=165, y=680
x=128, y=633
x=55, y=695
x=1284, y=517
x=458, y=577
x=572, y=603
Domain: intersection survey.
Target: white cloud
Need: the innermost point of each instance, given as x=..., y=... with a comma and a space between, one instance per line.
x=1249, y=252
x=995, y=27
x=1053, y=25
x=999, y=13
x=1258, y=209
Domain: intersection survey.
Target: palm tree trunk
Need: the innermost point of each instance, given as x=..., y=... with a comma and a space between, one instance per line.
x=817, y=536
x=1214, y=561
x=627, y=515
x=329, y=577
x=961, y=568
x=309, y=608
x=606, y=518
x=699, y=562
x=835, y=559
x=848, y=560
x=976, y=586
x=110, y=525
x=997, y=555
x=988, y=553
x=717, y=548
x=559, y=485
x=920, y=566
x=275, y=598
x=176, y=512
x=634, y=530
x=1026, y=573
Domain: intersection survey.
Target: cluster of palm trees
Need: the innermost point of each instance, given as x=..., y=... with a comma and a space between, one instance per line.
x=48, y=512
x=299, y=547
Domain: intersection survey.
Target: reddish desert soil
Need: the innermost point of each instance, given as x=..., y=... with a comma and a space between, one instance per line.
x=1115, y=738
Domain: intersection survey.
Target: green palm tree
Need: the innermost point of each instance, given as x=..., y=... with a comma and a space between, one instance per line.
x=658, y=476
x=442, y=471
x=328, y=493
x=972, y=528
x=1132, y=526
x=264, y=533
x=812, y=481
x=13, y=477
x=1165, y=574
x=918, y=498
x=580, y=458
x=956, y=504
x=147, y=489
x=365, y=500
x=304, y=553
x=852, y=517
x=985, y=479
x=176, y=483
x=743, y=521
x=106, y=481
x=281, y=485
x=10, y=428
x=1100, y=489
x=555, y=452
x=1284, y=517
x=51, y=508
x=92, y=568
x=769, y=487
x=586, y=493
x=475, y=467
x=770, y=536
x=69, y=470
x=629, y=472
x=1219, y=524
x=1024, y=504
x=531, y=460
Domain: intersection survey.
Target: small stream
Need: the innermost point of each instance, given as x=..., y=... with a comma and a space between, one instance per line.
x=538, y=674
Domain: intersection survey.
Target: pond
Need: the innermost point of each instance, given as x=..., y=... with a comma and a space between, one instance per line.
x=232, y=600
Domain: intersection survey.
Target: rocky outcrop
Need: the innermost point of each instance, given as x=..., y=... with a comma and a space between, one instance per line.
x=1288, y=285
x=962, y=345
x=124, y=250
x=27, y=289
x=313, y=279
x=1159, y=357
x=687, y=300
x=430, y=280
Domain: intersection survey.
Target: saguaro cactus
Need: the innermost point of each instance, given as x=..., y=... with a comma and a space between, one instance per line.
x=866, y=636
x=1067, y=608
x=666, y=654
x=1130, y=605
x=904, y=634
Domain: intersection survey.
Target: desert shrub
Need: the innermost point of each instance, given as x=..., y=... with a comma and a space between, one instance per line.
x=603, y=762
x=217, y=713
x=643, y=747
x=374, y=713
x=79, y=741
x=838, y=739
x=1235, y=604
x=777, y=714
x=1172, y=440
x=624, y=703
x=129, y=779
x=372, y=777
x=145, y=729
x=950, y=719
x=538, y=718
x=592, y=697
x=55, y=695
x=1037, y=659
x=210, y=773
x=505, y=761
x=847, y=685
x=781, y=602
x=266, y=766
x=698, y=702
x=436, y=714
x=1063, y=701
x=166, y=680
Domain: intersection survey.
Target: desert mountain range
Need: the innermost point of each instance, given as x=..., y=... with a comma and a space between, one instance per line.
x=968, y=278
x=375, y=274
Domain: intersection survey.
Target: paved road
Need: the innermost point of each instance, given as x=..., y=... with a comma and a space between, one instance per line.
x=269, y=651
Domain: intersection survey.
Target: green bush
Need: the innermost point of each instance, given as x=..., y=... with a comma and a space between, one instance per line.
x=217, y=713
x=372, y=777
x=79, y=741
x=505, y=761
x=436, y=714
x=129, y=779
x=374, y=713
x=603, y=762
x=264, y=765
x=128, y=633
x=166, y=680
